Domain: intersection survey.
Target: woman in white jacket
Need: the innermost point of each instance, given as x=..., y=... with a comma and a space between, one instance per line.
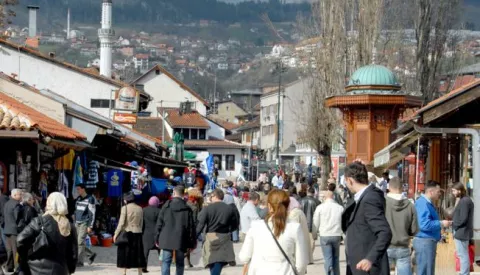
x=260, y=250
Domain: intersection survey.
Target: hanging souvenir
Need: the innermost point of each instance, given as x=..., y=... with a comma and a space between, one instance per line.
x=43, y=185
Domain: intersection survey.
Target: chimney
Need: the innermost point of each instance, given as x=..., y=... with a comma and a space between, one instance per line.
x=68, y=24
x=32, y=21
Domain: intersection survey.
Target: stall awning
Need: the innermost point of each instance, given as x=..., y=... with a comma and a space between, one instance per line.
x=393, y=152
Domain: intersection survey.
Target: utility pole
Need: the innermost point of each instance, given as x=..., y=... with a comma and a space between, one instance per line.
x=250, y=168
x=280, y=71
x=163, y=122
x=215, y=92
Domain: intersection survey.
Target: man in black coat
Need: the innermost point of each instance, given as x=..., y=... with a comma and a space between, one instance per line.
x=175, y=231
x=368, y=233
x=12, y=214
x=309, y=205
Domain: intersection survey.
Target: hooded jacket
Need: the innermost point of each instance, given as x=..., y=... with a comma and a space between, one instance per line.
x=402, y=218
x=175, y=226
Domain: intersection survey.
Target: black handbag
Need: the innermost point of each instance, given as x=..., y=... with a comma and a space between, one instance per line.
x=281, y=249
x=122, y=237
x=41, y=241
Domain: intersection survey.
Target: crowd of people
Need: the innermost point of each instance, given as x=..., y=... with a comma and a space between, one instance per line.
x=278, y=220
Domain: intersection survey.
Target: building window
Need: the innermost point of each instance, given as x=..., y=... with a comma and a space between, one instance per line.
x=264, y=130
x=186, y=133
x=202, y=134
x=102, y=103
x=230, y=162
x=264, y=111
x=270, y=130
x=177, y=130
x=193, y=133
x=217, y=161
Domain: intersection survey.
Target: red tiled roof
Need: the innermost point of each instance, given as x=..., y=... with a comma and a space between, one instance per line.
x=172, y=77
x=15, y=115
x=193, y=119
x=459, y=82
x=141, y=56
x=446, y=97
x=212, y=143
x=225, y=124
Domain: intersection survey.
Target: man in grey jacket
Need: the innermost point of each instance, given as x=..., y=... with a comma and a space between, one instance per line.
x=402, y=218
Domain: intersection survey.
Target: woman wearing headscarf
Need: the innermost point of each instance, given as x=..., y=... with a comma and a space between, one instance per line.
x=60, y=253
x=295, y=214
x=131, y=254
x=150, y=215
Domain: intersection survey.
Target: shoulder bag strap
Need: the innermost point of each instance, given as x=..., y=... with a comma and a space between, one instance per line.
x=281, y=249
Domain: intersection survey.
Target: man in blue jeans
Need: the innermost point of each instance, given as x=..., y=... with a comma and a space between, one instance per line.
x=327, y=221
x=175, y=231
x=430, y=226
x=402, y=218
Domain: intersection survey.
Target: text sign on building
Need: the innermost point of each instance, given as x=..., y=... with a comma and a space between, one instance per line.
x=126, y=99
x=125, y=118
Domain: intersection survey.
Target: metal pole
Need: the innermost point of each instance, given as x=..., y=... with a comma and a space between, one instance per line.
x=215, y=92
x=163, y=122
x=278, y=110
x=417, y=164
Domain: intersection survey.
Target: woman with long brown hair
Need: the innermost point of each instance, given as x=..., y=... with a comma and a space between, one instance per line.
x=275, y=245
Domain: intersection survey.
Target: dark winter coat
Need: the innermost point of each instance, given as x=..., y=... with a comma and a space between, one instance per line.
x=463, y=219
x=309, y=204
x=368, y=233
x=59, y=258
x=150, y=217
x=12, y=214
x=3, y=201
x=175, y=226
x=28, y=214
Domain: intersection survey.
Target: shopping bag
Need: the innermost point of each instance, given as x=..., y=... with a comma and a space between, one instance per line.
x=196, y=255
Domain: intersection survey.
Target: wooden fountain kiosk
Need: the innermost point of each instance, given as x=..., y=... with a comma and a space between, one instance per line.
x=372, y=103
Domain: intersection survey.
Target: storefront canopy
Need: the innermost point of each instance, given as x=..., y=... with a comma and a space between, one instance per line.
x=18, y=117
x=393, y=153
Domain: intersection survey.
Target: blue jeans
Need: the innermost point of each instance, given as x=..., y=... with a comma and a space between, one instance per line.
x=235, y=236
x=400, y=256
x=167, y=261
x=216, y=268
x=425, y=255
x=331, y=251
x=462, y=253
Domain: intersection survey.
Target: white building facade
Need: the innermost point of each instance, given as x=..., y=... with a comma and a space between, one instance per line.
x=168, y=92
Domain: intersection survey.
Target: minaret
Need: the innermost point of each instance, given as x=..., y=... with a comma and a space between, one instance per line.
x=68, y=24
x=105, y=34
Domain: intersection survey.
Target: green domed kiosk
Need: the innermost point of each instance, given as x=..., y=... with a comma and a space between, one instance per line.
x=371, y=106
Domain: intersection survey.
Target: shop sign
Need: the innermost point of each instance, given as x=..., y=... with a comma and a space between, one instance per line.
x=127, y=99
x=125, y=118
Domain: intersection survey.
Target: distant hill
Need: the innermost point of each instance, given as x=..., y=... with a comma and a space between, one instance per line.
x=151, y=12
x=156, y=11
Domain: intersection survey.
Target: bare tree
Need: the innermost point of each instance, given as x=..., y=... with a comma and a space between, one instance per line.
x=348, y=32
x=318, y=126
x=434, y=20
x=6, y=13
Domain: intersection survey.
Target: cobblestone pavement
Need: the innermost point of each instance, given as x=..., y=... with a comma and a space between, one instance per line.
x=105, y=264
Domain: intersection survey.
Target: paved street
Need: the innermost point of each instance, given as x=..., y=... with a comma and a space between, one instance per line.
x=107, y=258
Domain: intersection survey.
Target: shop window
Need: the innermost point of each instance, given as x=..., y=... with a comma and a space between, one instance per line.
x=102, y=103
x=193, y=133
x=202, y=134
x=177, y=130
x=230, y=162
x=217, y=161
